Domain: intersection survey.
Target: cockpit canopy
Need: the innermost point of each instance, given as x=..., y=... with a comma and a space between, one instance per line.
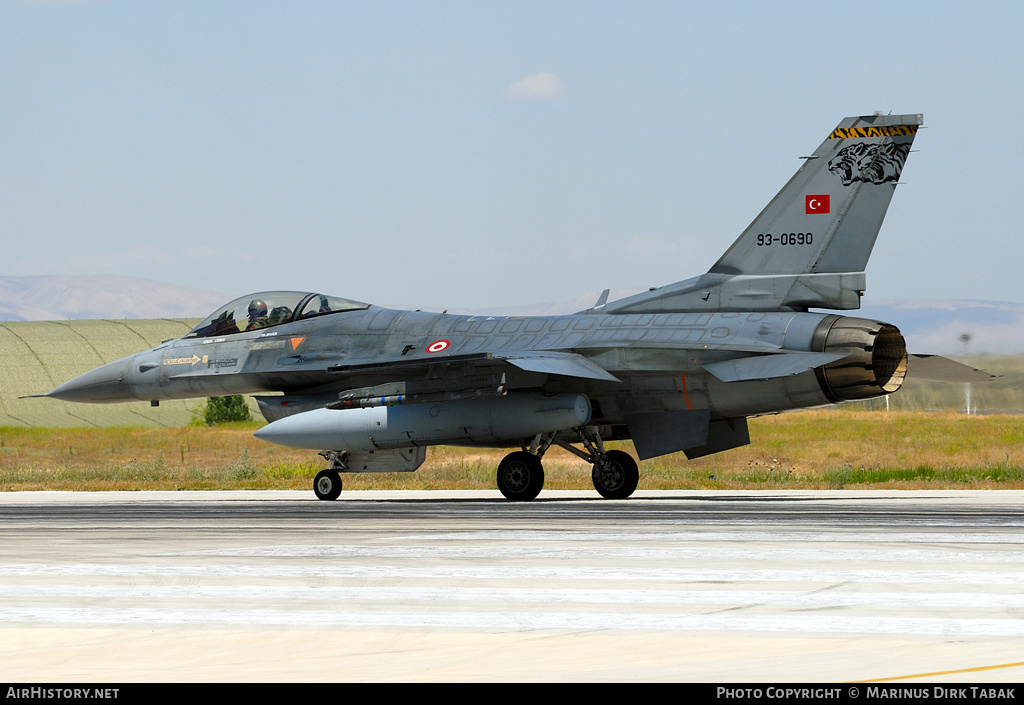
x=270, y=308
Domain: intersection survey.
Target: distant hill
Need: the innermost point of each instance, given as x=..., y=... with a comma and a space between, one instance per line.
x=995, y=327
x=80, y=297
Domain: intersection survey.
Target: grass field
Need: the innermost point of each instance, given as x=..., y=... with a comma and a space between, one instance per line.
x=39, y=355
x=809, y=450
x=44, y=445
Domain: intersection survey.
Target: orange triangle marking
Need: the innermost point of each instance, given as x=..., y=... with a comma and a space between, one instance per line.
x=296, y=342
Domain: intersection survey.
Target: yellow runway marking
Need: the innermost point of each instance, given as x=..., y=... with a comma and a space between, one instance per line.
x=943, y=673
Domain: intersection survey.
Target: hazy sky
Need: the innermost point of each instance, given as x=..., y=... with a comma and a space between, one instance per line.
x=483, y=153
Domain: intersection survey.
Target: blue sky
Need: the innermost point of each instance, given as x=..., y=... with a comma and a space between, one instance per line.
x=457, y=154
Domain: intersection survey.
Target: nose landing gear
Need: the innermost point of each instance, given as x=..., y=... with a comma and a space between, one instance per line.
x=327, y=485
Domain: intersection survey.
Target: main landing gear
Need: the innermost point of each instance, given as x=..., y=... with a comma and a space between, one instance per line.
x=521, y=475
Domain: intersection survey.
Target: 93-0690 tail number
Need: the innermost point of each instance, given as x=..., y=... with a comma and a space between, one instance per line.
x=767, y=239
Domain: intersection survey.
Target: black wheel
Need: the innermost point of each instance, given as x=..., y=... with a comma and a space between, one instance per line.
x=520, y=476
x=327, y=485
x=616, y=478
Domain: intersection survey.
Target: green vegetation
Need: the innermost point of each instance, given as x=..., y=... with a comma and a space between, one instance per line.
x=220, y=410
x=843, y=448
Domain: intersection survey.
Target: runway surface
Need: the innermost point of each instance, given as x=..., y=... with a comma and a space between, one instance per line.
x=692, y=586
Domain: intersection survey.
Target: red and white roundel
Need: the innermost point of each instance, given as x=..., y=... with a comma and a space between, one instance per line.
x=438, y=346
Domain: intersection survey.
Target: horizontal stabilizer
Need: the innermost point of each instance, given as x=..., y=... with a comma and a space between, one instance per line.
x=769, y=366
x=942, y=369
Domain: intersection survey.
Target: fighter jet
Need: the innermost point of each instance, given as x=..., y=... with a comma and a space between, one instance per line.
x=678, y=368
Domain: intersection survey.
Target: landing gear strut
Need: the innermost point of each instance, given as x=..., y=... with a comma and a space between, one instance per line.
x=615, y=474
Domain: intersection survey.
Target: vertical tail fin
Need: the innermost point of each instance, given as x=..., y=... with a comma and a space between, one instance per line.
x=837, y=199
x=810, y=245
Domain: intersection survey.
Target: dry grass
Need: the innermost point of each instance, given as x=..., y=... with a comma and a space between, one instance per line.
x=821, y=449
x=838, y=448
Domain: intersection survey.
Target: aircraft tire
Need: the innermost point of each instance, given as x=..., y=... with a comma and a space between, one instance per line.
x=327, y=485
x=520, y=476
x=617, y=478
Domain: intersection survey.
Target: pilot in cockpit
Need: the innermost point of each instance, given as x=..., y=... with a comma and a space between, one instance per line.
x=257, y=314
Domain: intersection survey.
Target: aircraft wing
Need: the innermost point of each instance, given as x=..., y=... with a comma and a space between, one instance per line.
x=410, y=363
x=565, y=364
x=445, y=376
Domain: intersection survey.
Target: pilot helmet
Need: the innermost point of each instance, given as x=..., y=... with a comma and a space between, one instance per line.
x=257, y=309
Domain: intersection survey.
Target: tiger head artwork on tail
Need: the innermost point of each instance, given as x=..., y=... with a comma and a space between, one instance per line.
x=870, y=163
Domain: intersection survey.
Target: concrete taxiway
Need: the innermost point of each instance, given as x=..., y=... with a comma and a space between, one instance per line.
x=769, y=586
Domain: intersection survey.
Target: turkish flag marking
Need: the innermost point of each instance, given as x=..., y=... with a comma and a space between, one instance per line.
x=817, y=204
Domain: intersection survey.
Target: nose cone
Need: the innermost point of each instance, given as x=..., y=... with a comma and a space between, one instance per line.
x=104, y=385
